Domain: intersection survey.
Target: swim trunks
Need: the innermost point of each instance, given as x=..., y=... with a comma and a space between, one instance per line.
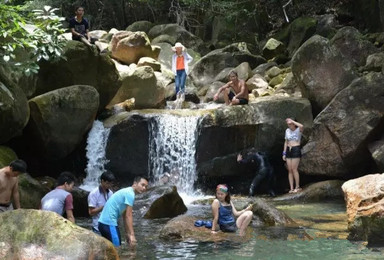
x=242, y=101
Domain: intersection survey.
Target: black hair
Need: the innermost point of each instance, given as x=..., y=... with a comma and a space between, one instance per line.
x=18, y=166
x=65, y=177
x=137, y=179
x=78, y=7
x=232, y=73
x=107, y=176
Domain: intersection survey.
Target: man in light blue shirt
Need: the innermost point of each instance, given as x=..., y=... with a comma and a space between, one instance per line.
x=121, y=201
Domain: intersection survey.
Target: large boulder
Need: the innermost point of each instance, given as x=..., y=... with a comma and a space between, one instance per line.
x=31, y=192
x=129, y=47
x=166, y=203
x=140, y=26
x=205, y=70
x=364, y=199
x=14, y=112
x=343, y=128
x=270, y=215
x=142, y=85
x=38, y=234
x=273, y=48
x=353, y=46
x=83, y=66
x=321, y=71
x=177, y=32
x=53, y=128
x=301, y=29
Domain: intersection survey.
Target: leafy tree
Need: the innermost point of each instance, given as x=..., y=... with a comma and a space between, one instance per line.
x=26, y=36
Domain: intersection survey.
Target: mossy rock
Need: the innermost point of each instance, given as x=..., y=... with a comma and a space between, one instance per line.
x=7, y=155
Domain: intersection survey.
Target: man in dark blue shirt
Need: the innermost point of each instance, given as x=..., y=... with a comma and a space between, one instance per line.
x=80, y=27
x=263, y=169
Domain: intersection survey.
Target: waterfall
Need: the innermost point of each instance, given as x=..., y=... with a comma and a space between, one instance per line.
x=172, y=150
x=96, y=144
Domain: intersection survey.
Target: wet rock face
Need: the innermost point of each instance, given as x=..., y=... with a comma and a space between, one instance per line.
x=37, y=234
x=364, y=197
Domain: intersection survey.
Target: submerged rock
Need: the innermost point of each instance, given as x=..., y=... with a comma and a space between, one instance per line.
x=365, y=203
x=36, y=234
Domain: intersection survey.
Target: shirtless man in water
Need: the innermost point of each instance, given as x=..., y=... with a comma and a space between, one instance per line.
x=9, y=184
x=235, y=91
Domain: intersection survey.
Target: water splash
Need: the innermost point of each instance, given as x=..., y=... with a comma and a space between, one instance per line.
x=96, y=144
x=172, y=150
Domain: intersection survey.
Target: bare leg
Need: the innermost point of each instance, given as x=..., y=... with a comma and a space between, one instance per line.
x=226, y=98
x=235, y=102
x=243, y=221
x=290, y=174
x=85, y=40
x=295, y=165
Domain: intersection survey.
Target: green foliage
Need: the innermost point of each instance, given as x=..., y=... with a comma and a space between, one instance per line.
x=26, y=37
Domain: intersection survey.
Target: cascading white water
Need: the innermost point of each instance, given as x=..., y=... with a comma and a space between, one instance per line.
x=172, y=150
x=96, y=144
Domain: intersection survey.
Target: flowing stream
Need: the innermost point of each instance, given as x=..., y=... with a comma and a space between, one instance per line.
x=172, y=150
x=96, y=144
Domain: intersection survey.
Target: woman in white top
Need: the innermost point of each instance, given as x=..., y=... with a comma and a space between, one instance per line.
x=292, y=153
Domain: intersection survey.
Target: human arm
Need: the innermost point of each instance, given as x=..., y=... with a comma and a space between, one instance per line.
x=238, y=213
x=68, y=206
x=285, y=149
x=300, y=126
x=70, y=216
x=94, y=211
x=128, y=225
x=215, y=212
x=188, y=57
x=16, y=195
x=216, y=96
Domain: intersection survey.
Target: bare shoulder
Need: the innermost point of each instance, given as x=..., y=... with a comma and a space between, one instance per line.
x=215, y=202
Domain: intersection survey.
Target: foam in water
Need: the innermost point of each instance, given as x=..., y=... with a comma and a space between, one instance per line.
x=96, y=144
x=172, y=150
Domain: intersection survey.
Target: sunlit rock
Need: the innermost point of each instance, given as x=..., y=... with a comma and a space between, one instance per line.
x=365, y=207
x=36, y=234
x=129, y=47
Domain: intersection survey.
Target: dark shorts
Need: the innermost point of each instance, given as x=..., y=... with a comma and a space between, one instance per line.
x=242, y=101
x=228, y=227
x=111, y=233
x=293, y=152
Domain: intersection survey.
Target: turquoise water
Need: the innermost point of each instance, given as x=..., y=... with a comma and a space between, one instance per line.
x=324, y=222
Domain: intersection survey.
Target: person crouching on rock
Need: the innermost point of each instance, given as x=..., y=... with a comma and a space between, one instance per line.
x=224, y=213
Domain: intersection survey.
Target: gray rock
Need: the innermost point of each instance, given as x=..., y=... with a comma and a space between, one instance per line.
x=53, y=127
x=343, y=128
x=165, y=203
x=317, y=87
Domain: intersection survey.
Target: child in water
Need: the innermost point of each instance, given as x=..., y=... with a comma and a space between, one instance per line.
x=224, y=213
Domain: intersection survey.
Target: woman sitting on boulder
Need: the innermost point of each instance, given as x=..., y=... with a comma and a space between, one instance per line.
x=224, y=213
